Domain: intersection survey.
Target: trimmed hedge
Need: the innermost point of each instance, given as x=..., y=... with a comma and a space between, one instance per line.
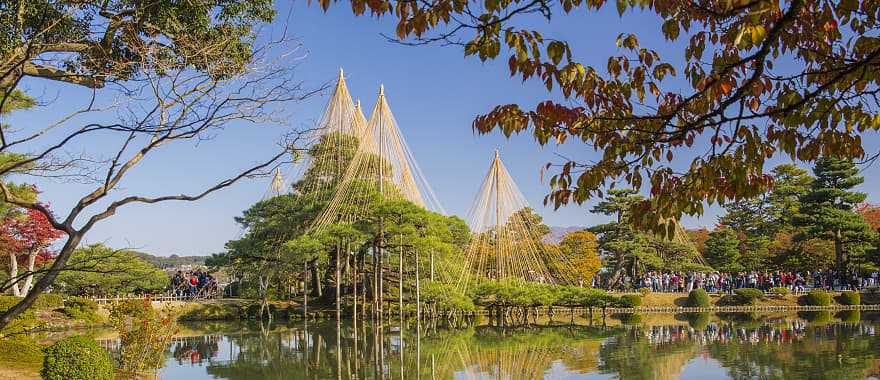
x=779, y=291
x=644, y=291
x=817, y=298
x=748, y=296
x=630, y=300
x=731, y=300
x=76, y=358
x=849, y=298
x=698, y=298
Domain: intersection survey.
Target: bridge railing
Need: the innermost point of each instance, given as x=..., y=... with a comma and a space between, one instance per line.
x=164, y=297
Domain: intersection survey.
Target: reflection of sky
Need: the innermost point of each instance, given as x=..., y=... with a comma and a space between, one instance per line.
x=702, y=368
x=183, y=368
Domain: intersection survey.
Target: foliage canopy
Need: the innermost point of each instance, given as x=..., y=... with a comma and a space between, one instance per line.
x=750, y=79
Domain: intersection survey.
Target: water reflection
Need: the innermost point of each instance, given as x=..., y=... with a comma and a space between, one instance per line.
x=695, y=345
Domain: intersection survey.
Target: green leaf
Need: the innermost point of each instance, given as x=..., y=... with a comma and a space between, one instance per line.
x=621, y=7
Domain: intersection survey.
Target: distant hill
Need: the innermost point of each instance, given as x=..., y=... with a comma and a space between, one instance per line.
x=172, y=261
x=557, y=233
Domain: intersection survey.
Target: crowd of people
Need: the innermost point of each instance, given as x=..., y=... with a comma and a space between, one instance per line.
x=194, y=284
x=720, y=282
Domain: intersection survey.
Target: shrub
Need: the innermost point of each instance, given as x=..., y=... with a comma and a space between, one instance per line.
x=748, y=296
x=81, y=308
x=630, y=300
x=76, y=358
x=24, y=322
x=817, y=298
x=49, y=301
x=779, y=291
x=644, y=291
x=698, y=298
x=849, y=298
x=144, y=334
x=445, y=297
x=731, y=300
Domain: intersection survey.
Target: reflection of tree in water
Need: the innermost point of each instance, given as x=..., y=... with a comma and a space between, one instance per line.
x=195, y=349
x=657, y=352
x=834, y=351
x=276, y=355
x=517, y=354
x=745, y=346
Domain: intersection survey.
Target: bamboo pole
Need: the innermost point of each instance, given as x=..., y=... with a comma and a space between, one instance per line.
x=305, y=292
x=497, y=218
x=418, y=295
x=400, y=282
x=338, y=281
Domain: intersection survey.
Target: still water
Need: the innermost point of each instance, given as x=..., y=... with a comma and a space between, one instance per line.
x=807, y=345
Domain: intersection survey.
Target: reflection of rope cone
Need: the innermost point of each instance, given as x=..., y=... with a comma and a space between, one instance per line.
x=514, y=358
x=507, y=243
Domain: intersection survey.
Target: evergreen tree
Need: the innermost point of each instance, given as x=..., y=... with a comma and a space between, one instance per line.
x=752, y=222
x=790, y=184
x=722, y=250
x=828, y=210
x=622, y=245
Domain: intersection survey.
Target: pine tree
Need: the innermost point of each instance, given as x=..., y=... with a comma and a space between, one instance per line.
x=790, y=184
x=622, y=245
x=722, y=250
x=828, y=210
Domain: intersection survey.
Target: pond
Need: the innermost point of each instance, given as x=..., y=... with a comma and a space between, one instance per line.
x=808, y=345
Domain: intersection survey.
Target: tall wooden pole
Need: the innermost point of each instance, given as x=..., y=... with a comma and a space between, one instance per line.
x=497, y=217
x=400, y=283
x=338, y=282
x=305, y=291
x=418, y=297
x=381, y=193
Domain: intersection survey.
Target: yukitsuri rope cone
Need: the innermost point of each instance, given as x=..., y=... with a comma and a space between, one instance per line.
x=382, y=164
x=506, y=242
x=333, y=142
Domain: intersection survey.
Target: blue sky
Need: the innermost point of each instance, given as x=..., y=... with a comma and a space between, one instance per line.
x=434, y=92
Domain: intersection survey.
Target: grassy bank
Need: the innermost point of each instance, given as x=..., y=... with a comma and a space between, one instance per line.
x=672, y=300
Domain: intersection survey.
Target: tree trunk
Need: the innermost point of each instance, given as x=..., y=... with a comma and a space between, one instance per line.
x=316, y=278
x=13, y=274
x=838, y=253
x=29, y=279
x=618, y=270
x=63, y=255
